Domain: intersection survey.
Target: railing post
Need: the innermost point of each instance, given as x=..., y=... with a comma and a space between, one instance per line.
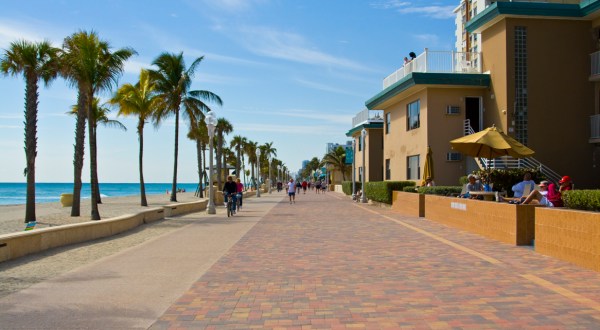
x=426, y=60
x=452, y=60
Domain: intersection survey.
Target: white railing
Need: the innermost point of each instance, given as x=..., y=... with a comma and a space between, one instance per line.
x=367, y=116
x=595, y=58
x=437, y=62
x=510, y=162
x=595, y=126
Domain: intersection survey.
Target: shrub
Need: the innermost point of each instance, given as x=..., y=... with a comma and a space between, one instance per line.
x=588, y=200
x=504, y=179
x=381, y=191
x=441, y=190
x=347, y=187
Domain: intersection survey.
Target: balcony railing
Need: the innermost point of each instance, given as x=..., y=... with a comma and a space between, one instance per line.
x=595, y=126
x=595, y=57
x=438, y=62
x=367, y=116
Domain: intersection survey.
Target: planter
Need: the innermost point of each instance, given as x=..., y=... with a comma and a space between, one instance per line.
x=509, y=223
x=570, y=235
x=408, y=203
x=66, y=200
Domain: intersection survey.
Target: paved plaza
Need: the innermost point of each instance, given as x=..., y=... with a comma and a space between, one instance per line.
x=324, y=262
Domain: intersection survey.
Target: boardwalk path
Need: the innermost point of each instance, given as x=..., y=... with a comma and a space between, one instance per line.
x=323, y=262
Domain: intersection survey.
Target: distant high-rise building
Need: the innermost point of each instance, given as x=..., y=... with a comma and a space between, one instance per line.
x=333, y=146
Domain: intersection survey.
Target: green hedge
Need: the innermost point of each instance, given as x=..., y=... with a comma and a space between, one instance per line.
x=347, y=187
x=381, y=191
x=441, y=190
x=587, y=200
x=410, y=189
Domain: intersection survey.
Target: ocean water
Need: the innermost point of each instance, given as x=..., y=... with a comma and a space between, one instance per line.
x=15, y=193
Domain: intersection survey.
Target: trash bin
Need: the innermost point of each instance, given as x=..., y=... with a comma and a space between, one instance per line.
x=66, y=200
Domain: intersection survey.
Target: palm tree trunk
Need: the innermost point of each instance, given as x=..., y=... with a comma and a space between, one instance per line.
x=203, y=181
x=31, y=97
x=237, y=163
x=218, y=157
x=143, y=201
x=199, y=156
x=174, y=186
x=79, y=151
x=95, y=213
x=98, y=197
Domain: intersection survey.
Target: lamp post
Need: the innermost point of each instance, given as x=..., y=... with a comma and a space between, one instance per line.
x=363, y=198
x=353, y=169
x=269, y=162
x=211, y=123
x=257, y=172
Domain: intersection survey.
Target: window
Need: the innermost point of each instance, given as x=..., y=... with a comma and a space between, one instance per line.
x=453, y=110
x=413, y=171
x=359, y=143
x=453, y=157
x=388, y=121
x=412, y=115
x=387, y=169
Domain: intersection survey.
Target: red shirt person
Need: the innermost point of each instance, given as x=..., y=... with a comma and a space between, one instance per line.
x=555, y=195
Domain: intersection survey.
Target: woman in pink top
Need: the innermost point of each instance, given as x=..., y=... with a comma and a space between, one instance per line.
x=240, y=191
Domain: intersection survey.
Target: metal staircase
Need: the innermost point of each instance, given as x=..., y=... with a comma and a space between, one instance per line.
x=508, y=162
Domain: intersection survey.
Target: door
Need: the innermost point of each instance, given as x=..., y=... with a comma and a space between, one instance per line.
x=473, y=112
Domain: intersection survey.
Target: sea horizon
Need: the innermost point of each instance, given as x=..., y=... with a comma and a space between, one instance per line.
x=14, y=193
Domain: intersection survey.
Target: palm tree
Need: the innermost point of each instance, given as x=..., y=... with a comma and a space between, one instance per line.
x=35, y=61
x=89, y=64
x=173, y=82
x=100, y=114
x=200, y=135
x=250, y=151
x=223, y=127
x=237, y=143
x=267, y=150
x=337, y=159
x=138, y=100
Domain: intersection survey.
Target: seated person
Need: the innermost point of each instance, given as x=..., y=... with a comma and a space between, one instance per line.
x=519, y=188
x=473, y=185
x=539, y=197
x=555, y=195
x=429, y=182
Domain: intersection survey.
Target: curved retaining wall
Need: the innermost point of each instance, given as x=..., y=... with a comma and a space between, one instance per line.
x=20, y=244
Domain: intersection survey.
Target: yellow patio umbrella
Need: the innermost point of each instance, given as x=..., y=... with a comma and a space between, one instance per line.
x=490, y=143
x=428, y=167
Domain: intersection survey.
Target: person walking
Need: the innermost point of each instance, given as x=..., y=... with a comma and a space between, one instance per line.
x=292, y=191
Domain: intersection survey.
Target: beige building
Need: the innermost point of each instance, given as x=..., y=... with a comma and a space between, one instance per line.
x=537, y=78
x=372, y=150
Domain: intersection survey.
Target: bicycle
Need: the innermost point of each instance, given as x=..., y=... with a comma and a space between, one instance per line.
x=229, y=205
x=238, y=201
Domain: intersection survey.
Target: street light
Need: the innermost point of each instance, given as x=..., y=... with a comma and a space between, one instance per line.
x=353, y=169
x=363, y=134
x=211, y=123
x=257, y=172
x=269, y=161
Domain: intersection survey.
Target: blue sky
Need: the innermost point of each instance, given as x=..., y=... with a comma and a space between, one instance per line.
x=291, y=72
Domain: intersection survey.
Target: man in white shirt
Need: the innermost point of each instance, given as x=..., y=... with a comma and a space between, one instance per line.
x=519, y=188
x=292, y=191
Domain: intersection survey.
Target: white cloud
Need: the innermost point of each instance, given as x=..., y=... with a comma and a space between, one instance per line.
x=322, y=130
x=11, y=127
x=28, y=29
x=407, y=8
x=323, y=87
x=288, y=46
x=329, y=117
x=428, y=39
x=227, y=5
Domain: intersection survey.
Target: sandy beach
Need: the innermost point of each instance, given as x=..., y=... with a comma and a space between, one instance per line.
x=23, y=272
x=53, y=214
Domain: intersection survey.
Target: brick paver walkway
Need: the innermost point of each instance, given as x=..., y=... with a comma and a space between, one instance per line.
x=326, y=262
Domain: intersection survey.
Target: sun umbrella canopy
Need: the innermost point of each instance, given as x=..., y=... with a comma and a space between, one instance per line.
x=490, y=143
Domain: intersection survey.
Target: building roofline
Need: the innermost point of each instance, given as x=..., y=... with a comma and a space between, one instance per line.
x=531, y=9
x=428, y=78
x=365, y=126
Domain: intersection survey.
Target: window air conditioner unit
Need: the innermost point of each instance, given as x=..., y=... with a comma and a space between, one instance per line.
x=453, y=156
x=452, y=110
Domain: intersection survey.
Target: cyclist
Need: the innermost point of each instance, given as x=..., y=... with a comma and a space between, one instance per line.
x=230, y=188
x=240, y=191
